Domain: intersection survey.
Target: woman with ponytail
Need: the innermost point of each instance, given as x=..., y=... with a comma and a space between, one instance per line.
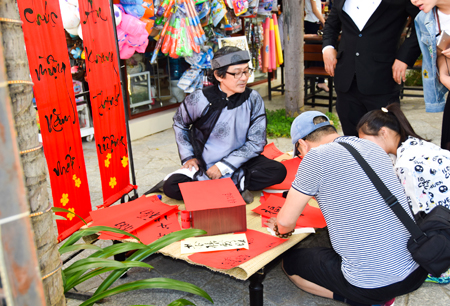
x=422, y=167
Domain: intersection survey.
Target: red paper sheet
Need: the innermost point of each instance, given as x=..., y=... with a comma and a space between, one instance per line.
x=291, y=167
x=310, y=217
x=159, y=228
x=132, y=215
x=271, y=151
x=270, y=207
x=49, y=65
x=258, y=243
x=211, y=194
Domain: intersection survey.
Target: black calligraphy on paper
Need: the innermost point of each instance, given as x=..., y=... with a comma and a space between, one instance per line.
x=235, y=260
x=109, y=143
x=148, y=214
x=39, y=19
x=69, y=161
x=94, y=13
x=216, y=244
x=106, y=103
x=124, y=226
x=229, y=197
x=98, y=58
x=55, y=122
x=53, y=68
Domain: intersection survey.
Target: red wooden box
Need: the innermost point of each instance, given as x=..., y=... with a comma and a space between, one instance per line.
x=216, y=206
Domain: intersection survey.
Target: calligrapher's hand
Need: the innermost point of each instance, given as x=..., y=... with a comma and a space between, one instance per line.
x=330, y=61
x=271, y=223
x=193, y=162
x=214, y=173
x=399, y=71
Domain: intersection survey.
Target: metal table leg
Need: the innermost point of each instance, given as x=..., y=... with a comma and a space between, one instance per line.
x=256, y=288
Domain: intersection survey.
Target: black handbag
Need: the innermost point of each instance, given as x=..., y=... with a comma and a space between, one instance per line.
x=429, y=243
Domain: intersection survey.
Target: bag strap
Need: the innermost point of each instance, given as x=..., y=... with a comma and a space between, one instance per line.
x=388, y=197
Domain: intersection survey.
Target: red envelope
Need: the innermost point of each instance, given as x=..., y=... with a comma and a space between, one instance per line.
x=291, y=167
x=258, y=243
x=271, y=151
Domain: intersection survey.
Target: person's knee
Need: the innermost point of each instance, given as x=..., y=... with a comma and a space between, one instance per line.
x=279, y=173
x=171, y=188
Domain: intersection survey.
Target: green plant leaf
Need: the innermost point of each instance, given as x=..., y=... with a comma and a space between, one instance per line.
x=93, y=230
x=181, y=302
x=77, y=247
x=144, y=253
x=58, y=217
x=59, y=209
x=93, y=263
x=108, y=251
x=85, y=277
x=153, y=283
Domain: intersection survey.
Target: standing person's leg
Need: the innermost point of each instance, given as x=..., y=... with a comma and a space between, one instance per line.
x=312, y=28
x=261, y=172
x=352, y=105
x=445, y=135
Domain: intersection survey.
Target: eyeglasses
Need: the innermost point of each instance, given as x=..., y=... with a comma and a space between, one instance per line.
x=238, y=75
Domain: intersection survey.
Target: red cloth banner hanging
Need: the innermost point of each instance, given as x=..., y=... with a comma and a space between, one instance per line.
x=106, y=98
x=53, y=89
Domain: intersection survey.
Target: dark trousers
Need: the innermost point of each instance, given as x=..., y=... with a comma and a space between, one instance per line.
x=260, y=172
x=445, y=135
x=312, y=28
x=352, y=105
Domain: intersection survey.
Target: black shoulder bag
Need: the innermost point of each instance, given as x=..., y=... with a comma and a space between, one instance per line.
x=429, y=243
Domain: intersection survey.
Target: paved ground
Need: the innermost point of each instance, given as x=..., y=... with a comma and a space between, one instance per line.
x=156, y=155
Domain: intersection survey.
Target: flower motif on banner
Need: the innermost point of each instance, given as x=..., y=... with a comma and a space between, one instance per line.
x=64, y=199
x=71, y=214
x=107, y=162
x=77, y=182
x=112, y=182
x=124, y=161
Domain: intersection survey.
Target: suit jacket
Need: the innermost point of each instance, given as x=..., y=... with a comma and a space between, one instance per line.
x=370, y=53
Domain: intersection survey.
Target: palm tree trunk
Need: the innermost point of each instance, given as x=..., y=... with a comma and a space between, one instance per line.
x=33, y=163
x=293, y=11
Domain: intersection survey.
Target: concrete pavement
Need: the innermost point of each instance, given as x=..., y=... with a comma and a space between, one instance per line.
x=155, y=156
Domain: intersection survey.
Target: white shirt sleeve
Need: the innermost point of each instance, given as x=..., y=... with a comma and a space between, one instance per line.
x=327, y=47
x=224, y=169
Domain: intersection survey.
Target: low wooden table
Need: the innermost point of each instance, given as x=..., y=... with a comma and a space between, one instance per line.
x=252, y=269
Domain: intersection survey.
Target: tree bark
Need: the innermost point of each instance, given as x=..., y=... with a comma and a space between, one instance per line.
x=293, y=11
x=33, y=164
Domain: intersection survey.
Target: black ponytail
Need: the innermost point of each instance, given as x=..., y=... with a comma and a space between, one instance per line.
x=394, y=119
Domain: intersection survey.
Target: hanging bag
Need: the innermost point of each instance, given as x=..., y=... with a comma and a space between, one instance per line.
x=429, y=243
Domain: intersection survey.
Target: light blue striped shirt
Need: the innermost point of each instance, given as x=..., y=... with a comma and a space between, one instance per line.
x=364, y=231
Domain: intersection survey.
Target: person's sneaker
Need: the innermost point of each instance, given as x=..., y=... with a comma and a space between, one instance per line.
x=388, y=303
x=247, y=196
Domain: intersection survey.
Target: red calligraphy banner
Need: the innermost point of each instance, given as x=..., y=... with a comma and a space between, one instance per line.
x=106, y=98
x=53, y=89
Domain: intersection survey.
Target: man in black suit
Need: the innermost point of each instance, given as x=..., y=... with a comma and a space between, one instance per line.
x=369, y=65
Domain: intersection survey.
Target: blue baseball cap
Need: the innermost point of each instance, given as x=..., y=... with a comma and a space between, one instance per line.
x=304, y=125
